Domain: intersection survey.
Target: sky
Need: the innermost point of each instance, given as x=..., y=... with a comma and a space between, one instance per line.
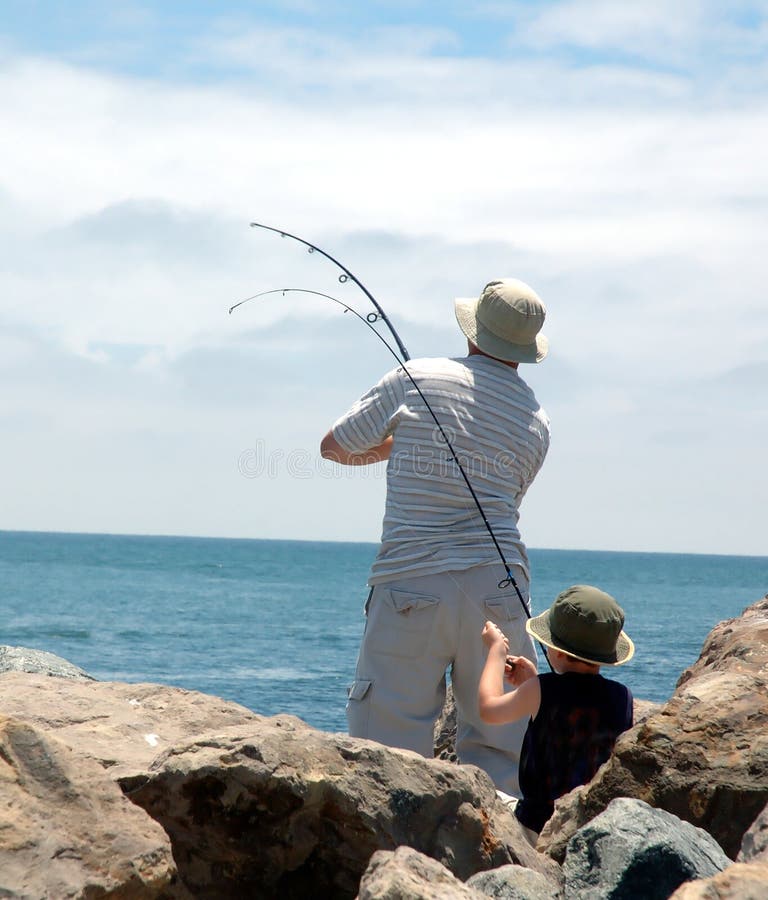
x=610, y=155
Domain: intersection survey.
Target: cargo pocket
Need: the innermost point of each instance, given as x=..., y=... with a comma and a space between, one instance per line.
x=507, y=613
x=401, y=622
x=501, y=609
x=358, y=711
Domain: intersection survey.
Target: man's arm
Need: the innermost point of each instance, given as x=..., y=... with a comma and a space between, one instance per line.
x=331, y=449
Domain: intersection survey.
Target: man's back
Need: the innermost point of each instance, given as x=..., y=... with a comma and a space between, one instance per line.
x=500, y=435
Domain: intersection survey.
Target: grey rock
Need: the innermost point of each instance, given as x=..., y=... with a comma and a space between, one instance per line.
x=754, y=846
x=24, y=659
x=513, y=882
x=406, y=874
x=632, y=850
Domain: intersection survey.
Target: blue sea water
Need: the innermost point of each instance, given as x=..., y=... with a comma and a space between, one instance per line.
x=275, y=625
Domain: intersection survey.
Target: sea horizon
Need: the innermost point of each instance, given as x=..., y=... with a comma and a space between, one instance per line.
x=207, y=537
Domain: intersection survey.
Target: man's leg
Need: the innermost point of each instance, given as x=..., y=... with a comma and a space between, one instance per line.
x=408, y=643
x=495, y=748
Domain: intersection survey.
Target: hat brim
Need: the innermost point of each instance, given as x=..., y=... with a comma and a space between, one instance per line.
x=538, y=627
x=488, y=342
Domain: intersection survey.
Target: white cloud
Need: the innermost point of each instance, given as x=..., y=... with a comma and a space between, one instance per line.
x=650, y=28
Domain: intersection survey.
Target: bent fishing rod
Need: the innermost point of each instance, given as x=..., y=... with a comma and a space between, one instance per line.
x=345, y=276
x=402, y=358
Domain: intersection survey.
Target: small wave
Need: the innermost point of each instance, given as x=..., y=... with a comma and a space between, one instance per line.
x=74, y=634
x=276, y=673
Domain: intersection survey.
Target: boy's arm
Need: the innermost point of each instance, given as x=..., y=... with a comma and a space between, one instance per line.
x=495, y=706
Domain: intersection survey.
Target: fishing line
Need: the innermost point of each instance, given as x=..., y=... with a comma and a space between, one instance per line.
x=368, y=322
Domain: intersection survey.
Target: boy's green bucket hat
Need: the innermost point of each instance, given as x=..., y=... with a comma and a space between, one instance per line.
x=587, y=623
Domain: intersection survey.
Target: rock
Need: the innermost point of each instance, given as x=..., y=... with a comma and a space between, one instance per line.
x=277, y=808
x=513, y=882
x=703, y=756
x=406, y=873
x=754, y=845
x=66, y=830
x=632, y=850
x=740, y=881
x=122, y=726
x=445, y=729
x=643, y=709
x=22, y=659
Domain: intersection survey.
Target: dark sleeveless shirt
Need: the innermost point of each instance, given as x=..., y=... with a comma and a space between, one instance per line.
x=573, y=734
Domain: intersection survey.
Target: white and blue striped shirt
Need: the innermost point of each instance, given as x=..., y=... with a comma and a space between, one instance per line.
x=500, y=435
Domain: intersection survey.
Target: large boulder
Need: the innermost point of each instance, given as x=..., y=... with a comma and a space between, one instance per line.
x=406, y=874
x=632, y=850
x=703, y=756
x=281, y=809
x=66, y=830
x=124, y=727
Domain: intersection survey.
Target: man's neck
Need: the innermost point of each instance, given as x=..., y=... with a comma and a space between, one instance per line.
x=472, y=350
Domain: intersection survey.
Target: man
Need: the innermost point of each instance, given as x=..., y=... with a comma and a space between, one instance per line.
x=435, y=580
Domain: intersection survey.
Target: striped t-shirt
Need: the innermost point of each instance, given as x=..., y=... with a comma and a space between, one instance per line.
x=500, y=435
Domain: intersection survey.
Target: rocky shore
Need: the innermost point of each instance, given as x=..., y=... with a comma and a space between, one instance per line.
x=111, y=790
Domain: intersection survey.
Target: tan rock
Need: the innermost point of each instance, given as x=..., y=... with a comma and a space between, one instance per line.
x=444, y=732
x=703, y=756
x=124, y=727
x=406, y=873
x=741, y=881
x=277, y=808
x=66, y=830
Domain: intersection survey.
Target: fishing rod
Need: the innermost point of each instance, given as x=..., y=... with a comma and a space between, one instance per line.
x=343, y=278
x=368, y=321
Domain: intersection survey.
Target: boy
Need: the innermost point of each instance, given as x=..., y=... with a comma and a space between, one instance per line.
x=575, y=715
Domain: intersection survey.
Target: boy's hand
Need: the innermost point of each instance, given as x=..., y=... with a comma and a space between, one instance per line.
x=493, y=637
x=518, y=669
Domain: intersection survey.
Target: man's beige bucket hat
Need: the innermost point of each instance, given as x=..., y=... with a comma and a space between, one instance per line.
x=505, y=321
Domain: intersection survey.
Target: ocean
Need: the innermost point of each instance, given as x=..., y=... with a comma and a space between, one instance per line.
x=275, y=625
